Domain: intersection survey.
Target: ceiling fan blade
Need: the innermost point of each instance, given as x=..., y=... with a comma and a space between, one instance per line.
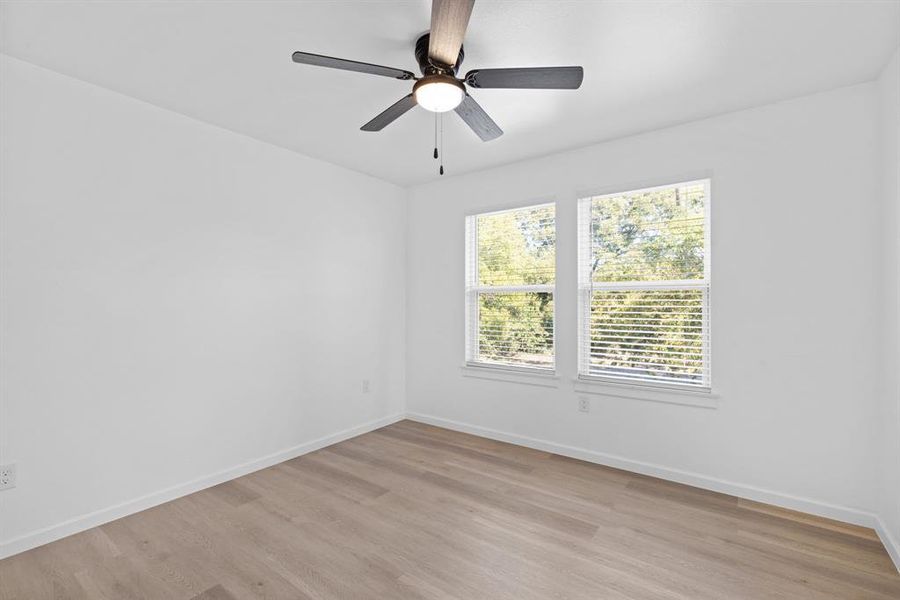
x=318, y=60
x=449, y=19
x=546, y=78
x=475, y=117
x=390, y=114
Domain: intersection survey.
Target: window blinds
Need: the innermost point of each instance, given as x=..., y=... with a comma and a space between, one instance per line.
x=510, y=283
x=644, y=286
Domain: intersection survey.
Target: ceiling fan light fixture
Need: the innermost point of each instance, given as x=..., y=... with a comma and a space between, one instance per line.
x=439, y=93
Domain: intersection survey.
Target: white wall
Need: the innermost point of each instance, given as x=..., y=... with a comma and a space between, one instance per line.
x=177, y=301
x=889, y=96
x=795, y=306
x=179, y=304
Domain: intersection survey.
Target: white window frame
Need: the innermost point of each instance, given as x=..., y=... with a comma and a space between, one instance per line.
x=586, y=287
x=474, y=289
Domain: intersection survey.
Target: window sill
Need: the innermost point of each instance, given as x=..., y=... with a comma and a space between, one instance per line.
x=511, y=375
x=702, y=398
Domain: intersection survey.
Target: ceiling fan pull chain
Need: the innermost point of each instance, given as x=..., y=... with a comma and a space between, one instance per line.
x=435, y=136
x=442, y=144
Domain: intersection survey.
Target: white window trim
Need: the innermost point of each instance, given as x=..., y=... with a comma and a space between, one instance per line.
x=694, y=395
x=653, y=392
x=511, y=374
x=476, y=368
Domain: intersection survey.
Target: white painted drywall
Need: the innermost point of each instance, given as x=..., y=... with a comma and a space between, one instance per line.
x=177, y=299
x=795, y=304
x=647, y=65
x=889, y=97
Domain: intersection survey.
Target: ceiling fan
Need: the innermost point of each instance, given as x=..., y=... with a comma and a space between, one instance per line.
x=440, y=54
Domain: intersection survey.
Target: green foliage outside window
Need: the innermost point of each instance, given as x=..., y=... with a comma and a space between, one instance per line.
x=650, y=236
x=644, y=238
x=516, y=248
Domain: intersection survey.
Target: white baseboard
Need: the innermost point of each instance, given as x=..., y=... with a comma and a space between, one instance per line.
x=749, y=492
x=105, y=515
x=891, y=544
x=823, y=509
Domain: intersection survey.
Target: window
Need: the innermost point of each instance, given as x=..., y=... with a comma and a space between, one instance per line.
x=644, y=286
x=510, y=282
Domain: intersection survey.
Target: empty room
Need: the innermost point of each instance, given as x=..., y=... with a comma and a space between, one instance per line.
x=449, y=300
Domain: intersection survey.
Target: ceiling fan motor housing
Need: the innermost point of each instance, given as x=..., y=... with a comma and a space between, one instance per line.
x=429, y=67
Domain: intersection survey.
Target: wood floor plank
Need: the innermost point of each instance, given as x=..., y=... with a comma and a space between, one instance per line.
x=217, y=592
x=415, y=512
x=799, y=517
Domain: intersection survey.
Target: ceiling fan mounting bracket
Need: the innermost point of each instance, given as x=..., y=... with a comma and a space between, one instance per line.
x=428, y=66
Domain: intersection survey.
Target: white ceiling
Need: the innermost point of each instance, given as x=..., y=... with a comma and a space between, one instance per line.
x=647, y=65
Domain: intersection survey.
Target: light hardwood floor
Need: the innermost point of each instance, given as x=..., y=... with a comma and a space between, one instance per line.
x=412, y=511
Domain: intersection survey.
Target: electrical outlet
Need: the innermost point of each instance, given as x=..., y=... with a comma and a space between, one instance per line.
x=365, y=386
x=584, y=404
x=7, y=476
